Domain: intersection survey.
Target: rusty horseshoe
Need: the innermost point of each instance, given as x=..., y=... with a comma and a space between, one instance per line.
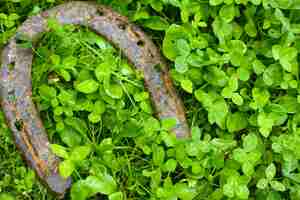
x=16, y=91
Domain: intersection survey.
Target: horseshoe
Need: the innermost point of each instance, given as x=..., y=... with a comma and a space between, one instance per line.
x=16, y=91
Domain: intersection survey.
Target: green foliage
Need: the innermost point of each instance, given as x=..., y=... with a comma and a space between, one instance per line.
x=235, y=64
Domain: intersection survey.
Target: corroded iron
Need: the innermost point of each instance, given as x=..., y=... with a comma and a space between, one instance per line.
x=16, y=90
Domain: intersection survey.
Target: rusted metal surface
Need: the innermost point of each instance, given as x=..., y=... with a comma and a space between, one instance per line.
x=15, y=83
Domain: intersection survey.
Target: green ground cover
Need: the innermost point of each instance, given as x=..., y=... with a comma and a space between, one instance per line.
x=235, y=64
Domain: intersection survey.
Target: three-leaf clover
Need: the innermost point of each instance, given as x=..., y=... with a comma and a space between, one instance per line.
x=236, y=186
x=63, y=67
x=269, y=182
x=9, y=20
x=72, y=159
x=287, y=57
x=249, y=155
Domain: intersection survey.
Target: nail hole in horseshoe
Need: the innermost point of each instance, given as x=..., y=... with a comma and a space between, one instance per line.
x=100, y=12
x=19, y=125
x=11, y=65
x=158, y=67
x=122, y=26
x=140, y=43
x=20, y=39
x=151, y=54
x=11, y=96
